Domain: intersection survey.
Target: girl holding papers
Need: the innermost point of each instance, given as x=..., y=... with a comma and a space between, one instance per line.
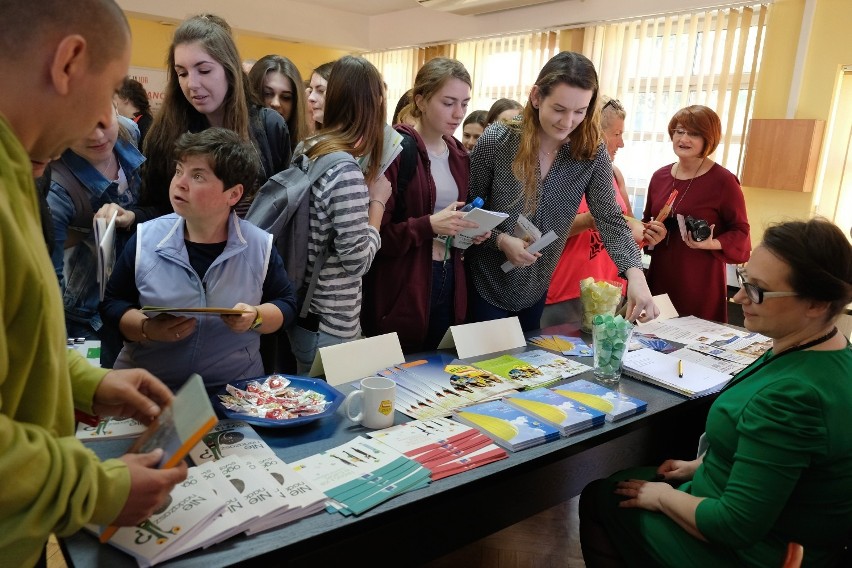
x=419, y=218
x=540, y=167
x=778, y=468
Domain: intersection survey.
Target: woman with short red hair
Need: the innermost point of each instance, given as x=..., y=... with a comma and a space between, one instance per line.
x=689, y=263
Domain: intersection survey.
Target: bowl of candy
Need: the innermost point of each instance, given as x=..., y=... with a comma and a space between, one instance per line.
x=277, y=401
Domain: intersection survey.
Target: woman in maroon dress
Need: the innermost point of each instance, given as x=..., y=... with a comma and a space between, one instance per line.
x=692, y=270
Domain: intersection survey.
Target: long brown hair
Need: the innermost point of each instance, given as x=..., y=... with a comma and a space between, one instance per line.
x=297, y=122
x=177, y=115
x=571, y=69
x=354, y=115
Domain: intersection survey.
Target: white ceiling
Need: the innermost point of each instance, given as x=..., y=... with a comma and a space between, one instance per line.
x=373, y=25
x=367, y=7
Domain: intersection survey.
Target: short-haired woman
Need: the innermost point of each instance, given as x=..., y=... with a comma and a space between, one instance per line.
x=692, y=270
x=202, y=255
x=778, y=464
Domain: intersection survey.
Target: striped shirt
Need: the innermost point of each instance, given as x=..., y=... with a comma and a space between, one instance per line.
x=559, y=194
x=339, y=222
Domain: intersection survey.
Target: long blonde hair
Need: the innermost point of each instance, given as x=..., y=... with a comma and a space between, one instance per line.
x=571, y=69
x=354, y=115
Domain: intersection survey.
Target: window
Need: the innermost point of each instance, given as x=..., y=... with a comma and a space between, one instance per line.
x=658, y=65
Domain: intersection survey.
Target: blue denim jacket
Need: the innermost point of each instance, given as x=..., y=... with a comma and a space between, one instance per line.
x=76, y=267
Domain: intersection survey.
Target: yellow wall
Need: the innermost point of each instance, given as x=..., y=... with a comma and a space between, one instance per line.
x=151, y=42
x=828, y=49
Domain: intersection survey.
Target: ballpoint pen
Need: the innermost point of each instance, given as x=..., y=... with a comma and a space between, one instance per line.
x=680, y=368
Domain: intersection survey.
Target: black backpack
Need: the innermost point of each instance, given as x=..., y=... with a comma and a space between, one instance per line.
x=282, y=208
x=407, y=166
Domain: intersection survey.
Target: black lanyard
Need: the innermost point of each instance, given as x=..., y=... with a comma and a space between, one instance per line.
x=749, y=371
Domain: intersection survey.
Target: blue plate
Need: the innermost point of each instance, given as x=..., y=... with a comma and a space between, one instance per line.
x=332, y=396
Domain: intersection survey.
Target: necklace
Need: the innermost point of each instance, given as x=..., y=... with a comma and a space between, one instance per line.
x=105, y=170
x=547, y=154
x=674, y=177
x=440, y=153
x=771, y=358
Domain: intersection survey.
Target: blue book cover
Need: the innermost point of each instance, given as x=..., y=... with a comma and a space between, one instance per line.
x=614, y=404
x=508, y=426
x=567, y=414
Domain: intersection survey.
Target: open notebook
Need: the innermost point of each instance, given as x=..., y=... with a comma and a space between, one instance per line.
x=661, y=369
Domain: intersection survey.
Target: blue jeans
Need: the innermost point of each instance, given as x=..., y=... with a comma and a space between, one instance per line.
x=480, y=309
x=442, y=302
x=305, y=344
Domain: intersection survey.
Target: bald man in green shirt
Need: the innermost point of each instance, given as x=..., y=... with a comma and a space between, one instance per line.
x=60, y=65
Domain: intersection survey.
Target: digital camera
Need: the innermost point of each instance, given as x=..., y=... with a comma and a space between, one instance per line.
x=698, y=228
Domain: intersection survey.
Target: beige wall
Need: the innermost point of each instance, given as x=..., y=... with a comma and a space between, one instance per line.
x=151, y=41
x=829, y=48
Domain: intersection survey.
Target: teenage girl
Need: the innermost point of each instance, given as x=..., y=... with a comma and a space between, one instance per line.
x=540, y=167
x=276, y=82
x=206, y=87
x=434, y=296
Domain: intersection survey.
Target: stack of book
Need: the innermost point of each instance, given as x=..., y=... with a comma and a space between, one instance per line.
x=434, y=386
x=443, y=446
x=360, y=474
x=237, y=486
x=507, y=425
x=532, y=369
x=614, y=405
x=561, y=412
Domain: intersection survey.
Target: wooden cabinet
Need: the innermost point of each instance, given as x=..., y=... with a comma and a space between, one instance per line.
x=782, y=153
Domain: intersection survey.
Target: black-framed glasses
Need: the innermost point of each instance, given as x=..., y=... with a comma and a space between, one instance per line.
x=614, y=103
x=757, y=294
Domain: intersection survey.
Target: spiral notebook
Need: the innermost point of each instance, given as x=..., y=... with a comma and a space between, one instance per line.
x=661, y=369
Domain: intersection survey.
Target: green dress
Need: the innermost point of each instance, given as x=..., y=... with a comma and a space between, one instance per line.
x=778, y=469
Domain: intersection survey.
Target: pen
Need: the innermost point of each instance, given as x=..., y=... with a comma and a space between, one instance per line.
x=680, y=368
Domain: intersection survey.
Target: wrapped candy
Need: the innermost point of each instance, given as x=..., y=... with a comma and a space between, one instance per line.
x=611, y=336
x=598, y=298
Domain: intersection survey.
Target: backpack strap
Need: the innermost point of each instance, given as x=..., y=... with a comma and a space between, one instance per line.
x=407, y=167
x=316, y=169
x=80, y=224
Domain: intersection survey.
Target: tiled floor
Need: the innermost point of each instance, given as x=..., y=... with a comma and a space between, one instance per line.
x=548, y=540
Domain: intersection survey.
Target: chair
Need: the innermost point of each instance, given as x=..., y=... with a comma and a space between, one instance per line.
x=795, y=552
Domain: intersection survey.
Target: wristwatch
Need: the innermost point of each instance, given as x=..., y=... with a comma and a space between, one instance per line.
x=258, y=320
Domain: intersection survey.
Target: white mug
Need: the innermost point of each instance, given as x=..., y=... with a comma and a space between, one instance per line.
x=377, y=395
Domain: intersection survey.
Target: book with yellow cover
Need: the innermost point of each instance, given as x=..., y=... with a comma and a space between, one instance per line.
x=568, y=415
x=508, y=426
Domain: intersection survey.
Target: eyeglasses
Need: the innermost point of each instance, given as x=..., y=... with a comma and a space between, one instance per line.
x=755, y=293
x=681, y=133
x=614, y=103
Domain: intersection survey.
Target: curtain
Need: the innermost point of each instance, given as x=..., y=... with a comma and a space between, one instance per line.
x=658, y=65
x=398, y=68
x=505, y=67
